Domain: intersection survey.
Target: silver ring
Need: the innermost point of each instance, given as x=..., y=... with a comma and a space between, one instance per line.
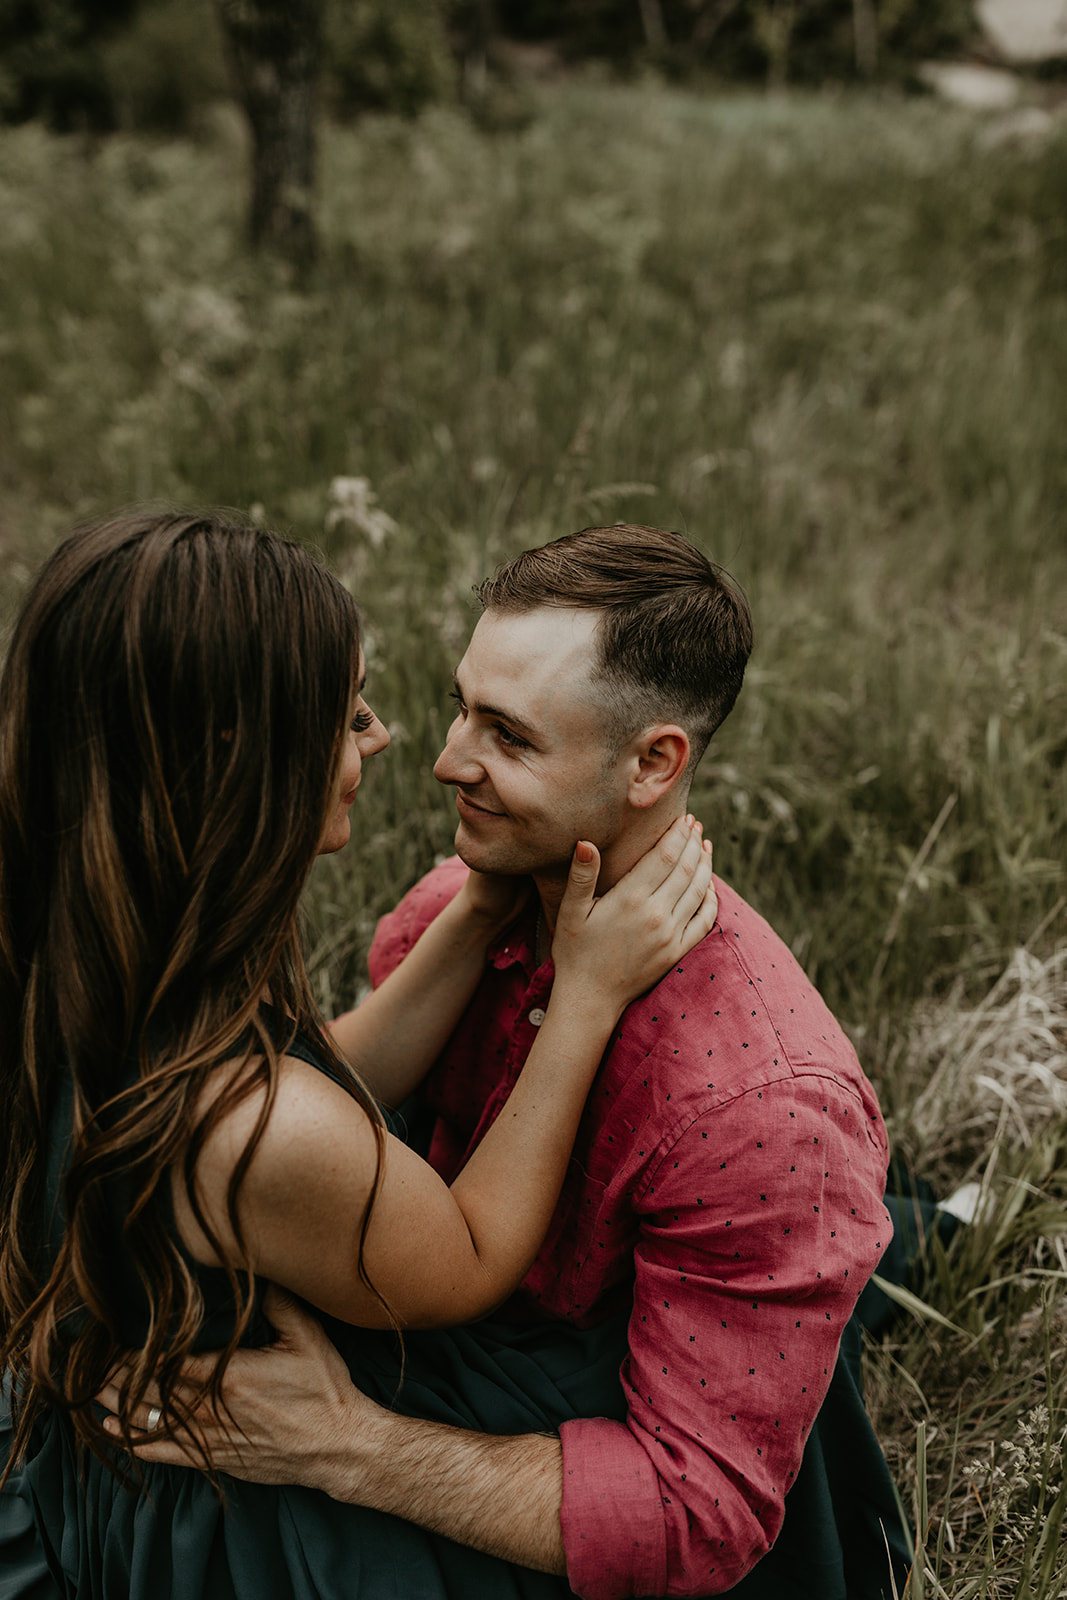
x=153, y=1419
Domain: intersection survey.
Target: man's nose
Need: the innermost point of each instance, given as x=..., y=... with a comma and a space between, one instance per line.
x=457, y=762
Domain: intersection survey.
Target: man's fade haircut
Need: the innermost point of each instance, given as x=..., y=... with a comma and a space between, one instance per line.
x=676, y=632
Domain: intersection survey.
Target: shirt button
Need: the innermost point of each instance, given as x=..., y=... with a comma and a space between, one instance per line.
x=537, y=1016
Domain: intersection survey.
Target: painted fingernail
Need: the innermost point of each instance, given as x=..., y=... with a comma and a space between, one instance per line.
x=110, y=1425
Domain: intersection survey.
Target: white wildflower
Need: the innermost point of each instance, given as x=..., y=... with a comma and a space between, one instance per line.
x=353, y=501
x=1015, y=1472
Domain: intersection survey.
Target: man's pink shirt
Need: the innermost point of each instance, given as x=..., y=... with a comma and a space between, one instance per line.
x=728, y=1177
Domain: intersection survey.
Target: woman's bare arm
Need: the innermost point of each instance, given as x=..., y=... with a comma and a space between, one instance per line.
x=395, y=1034
x=443, y=1255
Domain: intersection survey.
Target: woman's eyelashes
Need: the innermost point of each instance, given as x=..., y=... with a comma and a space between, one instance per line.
x=361, y=721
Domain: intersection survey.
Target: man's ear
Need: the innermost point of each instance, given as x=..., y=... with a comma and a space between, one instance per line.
x=661, y=757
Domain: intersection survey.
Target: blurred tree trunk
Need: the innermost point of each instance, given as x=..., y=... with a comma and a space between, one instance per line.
x=274, y=49
x=773, y=22
x=473, y=27
x=711, y=14
x=865, y=33
x=655, y=27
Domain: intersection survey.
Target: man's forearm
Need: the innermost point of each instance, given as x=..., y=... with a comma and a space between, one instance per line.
x=498, y=1494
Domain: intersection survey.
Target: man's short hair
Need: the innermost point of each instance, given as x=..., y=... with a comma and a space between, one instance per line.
x=676, y=632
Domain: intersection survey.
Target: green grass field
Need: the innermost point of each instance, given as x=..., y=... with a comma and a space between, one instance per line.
x=827, y=338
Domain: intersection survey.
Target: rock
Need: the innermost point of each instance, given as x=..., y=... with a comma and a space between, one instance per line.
x=978, y=88
x=1025, y=30
x=1029, y=126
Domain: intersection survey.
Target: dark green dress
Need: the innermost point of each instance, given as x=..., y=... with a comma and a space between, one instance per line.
x=82, y=1534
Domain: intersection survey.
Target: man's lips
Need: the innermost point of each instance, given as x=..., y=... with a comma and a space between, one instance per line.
x=465, y=804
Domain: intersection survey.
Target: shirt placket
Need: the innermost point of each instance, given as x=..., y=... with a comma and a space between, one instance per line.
x=528, y=1019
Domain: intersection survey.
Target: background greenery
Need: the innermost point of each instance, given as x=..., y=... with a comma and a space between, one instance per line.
x=824, y=336
x=156, y=64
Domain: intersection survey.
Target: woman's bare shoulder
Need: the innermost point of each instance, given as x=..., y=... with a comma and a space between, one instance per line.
x=317, y=1148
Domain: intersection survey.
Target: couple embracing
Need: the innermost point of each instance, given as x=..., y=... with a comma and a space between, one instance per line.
x=537, y=1272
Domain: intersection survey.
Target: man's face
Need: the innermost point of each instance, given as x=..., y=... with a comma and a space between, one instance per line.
x=528, y=751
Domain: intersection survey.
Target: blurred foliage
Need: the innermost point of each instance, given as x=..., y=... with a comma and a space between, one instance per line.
x=156, y=64
x=167, y=67
x=393, y=57
x=804, y=40
x=51, y=64
x=827, y=336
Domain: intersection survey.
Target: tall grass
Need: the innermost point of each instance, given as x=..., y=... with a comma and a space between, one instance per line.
x=971, y=1399
x=828, y=339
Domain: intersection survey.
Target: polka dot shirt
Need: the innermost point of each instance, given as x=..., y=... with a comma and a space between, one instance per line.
x=728, y=1178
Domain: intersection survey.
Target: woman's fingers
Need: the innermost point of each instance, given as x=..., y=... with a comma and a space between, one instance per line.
x=667, y=872
x=693, y=903
x=687, y=893
x=691, y=870
x=702, y=918
x=677, y=850
x=646, y=922
x=690, y=886
x=580, y=893
x=672, y=876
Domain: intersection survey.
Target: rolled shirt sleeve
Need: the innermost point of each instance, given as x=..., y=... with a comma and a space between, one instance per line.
x=759, y=1225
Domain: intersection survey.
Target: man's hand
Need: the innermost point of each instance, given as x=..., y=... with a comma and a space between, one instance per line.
x=285, y=1409
x=295, y=1416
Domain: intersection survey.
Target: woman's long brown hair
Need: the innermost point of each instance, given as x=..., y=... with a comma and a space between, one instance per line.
x=172, y=714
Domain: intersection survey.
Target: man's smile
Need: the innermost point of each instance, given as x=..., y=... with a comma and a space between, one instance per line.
x=464, y=804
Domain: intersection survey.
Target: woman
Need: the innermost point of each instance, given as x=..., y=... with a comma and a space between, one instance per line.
x=182, y=730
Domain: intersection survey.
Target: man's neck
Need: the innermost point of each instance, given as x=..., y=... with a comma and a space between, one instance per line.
x=616, y=859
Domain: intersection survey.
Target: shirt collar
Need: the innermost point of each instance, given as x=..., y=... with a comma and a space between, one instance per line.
x=516, y=945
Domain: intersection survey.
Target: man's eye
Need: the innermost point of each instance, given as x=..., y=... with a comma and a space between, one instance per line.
x=362, y=721
x=512, y=740
x=454, y=694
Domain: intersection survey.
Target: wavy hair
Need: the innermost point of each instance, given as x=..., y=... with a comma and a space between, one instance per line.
x=172, y=713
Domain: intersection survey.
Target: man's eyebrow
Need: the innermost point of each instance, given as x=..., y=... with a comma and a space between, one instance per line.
x=520, y=725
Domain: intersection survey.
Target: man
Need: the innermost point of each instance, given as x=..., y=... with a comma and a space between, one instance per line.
x=728, y=1175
